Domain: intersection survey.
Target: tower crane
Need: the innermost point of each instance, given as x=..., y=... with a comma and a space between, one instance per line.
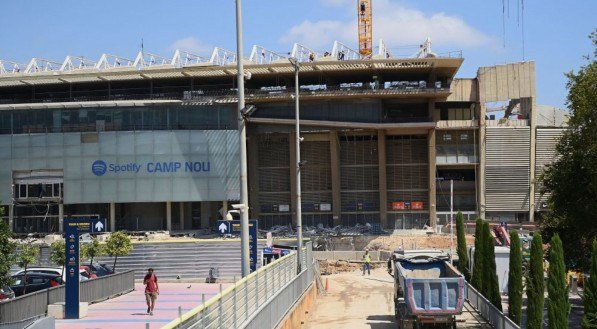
x=365, y=27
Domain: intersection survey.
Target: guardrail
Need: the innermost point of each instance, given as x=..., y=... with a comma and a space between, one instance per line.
x=33, y=305
x=492, y=314
x=259, y=300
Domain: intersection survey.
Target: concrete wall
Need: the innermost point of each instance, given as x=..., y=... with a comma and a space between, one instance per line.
x=297, y=316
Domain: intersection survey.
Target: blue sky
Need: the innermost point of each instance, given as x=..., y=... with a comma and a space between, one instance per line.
x=555, y=31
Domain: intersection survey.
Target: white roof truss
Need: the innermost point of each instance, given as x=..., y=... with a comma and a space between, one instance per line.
x=41, y=65
x=222, y=57
x=9, y=67
x=108, y=61
x=304, y=54
x=342, y=52
x=72, y=63
x=260, y=55
x=184, y=58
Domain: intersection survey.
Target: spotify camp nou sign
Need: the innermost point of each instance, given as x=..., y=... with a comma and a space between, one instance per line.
x=101, y=168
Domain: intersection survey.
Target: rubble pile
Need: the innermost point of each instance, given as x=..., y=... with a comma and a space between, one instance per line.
x=327, y=267
x=287, y=231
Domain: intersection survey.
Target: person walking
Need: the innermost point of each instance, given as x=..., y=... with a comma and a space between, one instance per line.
x=367, y=262
x=152, y=290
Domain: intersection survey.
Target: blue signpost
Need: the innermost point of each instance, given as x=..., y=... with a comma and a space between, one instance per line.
x=233, y=227
x=72, y=228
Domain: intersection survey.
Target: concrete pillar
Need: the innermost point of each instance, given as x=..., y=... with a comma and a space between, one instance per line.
x=533, y=128
x=292, y=173
x=432, y=181
x=11, y=217
x=481, y=167
x=113, y=216
x=168, y=216
x=181, y=216
x=206, y=213
x=335, y=168
x=254, y=206
x=383, y=185
x=60, y=217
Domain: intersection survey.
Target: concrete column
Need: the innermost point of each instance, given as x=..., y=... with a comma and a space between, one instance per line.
x=113, y=216
x=335, y=168
x=11, y=217
x=254, y=206
x=383, y=185
x=533, y=128
x=205, y=213
x=481, y=168
x=292, y=173
x=60, y=217
x=432, y=170
x=168, y=216
x=181, y=216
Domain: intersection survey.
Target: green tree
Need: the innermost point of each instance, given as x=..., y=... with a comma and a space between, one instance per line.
x=94, y=249
x=535, y=285
x=58, y=253
x=461, y=250
x=7, y=253
x=558, y=307
x=515, y=279
x=478, y=256
x=572, y=177
x=118, y=244
x=589, y=320
x=491, y=283
x=28, y=254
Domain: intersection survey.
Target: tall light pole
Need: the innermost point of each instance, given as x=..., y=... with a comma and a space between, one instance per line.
x=299, y=220
x=451, y=220
x=242, y=132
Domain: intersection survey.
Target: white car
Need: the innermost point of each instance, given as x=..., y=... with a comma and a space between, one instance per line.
x=52, y=270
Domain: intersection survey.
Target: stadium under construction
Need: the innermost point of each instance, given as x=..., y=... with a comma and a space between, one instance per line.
x=151, y=143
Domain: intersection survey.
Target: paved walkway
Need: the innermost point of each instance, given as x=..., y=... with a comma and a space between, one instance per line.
x=129, y=311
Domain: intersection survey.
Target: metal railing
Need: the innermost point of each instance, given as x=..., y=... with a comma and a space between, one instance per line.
x=36, y=304
x=260, y=300
x=492, y=314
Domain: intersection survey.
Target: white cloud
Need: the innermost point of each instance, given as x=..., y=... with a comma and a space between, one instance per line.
x=396, y=24
x=193, y=45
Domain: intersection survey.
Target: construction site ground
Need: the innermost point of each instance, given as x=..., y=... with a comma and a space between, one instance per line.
x=357, y=301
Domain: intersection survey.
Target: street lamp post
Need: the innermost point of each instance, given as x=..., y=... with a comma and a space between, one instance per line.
x=299, y=220
x=244, y=191
x=451, y=221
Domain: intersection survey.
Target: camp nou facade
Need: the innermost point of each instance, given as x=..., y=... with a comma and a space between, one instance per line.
x=152, y=143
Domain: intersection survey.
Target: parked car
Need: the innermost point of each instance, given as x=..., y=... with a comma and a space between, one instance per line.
x=6, y=293
x=53, y=270
x=35, y=282
x=100, y=269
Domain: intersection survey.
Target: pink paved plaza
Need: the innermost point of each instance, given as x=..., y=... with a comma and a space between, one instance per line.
x=129, y=311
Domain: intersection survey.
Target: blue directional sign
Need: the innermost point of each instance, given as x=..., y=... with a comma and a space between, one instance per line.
x=233, y=227
x=72, y=228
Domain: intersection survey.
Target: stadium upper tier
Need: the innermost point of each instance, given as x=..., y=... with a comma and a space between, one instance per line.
x=221, y=63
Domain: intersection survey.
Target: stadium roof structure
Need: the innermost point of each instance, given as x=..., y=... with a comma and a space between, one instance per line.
x=221, y=63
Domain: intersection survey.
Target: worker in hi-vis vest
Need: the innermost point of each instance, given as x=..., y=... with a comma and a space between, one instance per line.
x=367, y=262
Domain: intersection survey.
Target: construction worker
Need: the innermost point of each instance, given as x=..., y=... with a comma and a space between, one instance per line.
x=367, y=262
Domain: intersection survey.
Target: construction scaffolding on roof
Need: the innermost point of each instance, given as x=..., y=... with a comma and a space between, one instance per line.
x=304, y=54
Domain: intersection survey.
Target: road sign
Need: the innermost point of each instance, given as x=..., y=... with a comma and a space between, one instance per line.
x=233, y=227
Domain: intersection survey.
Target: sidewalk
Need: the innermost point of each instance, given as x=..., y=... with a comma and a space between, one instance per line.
x=129, y=311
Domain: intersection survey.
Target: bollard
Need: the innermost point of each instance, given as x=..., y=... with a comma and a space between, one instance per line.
x=573, y=285
x=146, y=325
x=203, y=312
x=180, y=313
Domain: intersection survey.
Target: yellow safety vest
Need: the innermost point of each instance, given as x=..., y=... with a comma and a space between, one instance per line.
x=367, y=258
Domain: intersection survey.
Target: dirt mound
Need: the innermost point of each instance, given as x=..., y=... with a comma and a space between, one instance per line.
x=434, y=241
x=328, y=267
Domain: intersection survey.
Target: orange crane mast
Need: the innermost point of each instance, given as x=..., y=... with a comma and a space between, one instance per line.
x=365, y=27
